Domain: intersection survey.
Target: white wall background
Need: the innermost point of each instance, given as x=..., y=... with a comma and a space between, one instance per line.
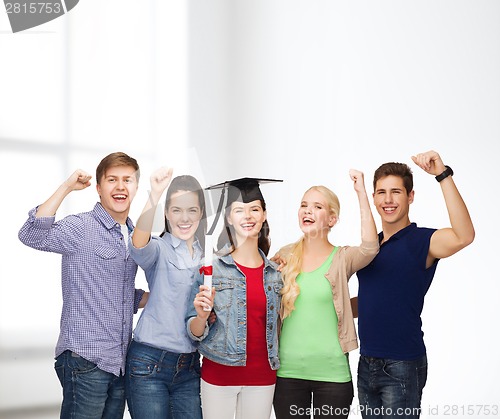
x=292, y=89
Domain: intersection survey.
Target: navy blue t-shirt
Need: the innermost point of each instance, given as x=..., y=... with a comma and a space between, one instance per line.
x=391, y=296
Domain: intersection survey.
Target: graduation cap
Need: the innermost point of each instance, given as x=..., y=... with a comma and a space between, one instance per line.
x=239, y=190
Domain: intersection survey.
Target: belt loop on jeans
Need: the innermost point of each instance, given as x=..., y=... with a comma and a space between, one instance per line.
x=193, y=359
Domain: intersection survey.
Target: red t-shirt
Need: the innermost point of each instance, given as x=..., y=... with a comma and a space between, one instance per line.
x=257, y=371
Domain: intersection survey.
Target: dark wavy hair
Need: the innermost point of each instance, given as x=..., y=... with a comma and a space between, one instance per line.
x=188, y=183
x=227, y=234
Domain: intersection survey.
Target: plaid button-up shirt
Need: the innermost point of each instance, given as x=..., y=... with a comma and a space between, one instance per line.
x=99, y=298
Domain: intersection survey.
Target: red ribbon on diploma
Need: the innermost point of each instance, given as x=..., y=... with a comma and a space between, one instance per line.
x=206, y=270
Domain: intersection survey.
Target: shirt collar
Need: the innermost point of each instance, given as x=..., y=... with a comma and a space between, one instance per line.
x=175, y=242
x=107, y=220
x=227, y=258
x=403, y=232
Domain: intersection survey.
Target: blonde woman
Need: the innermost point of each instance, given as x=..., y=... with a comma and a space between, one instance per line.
x=318, y=327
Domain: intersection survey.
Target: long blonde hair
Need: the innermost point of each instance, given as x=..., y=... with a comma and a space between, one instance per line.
x=293, y=254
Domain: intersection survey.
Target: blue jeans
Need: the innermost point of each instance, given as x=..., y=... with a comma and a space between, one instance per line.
x=390, y=388
x=162, y=384
x=88, y=392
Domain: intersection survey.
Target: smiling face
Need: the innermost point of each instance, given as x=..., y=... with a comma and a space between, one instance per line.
x=392, y=201
x=183, y=215
x=315, y=217
x=246, y=219
x=117, y=188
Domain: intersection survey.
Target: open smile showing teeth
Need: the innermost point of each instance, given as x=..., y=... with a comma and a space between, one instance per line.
x=389, y=210
x=184, y=226
x=120, y=197
x=248, y=225
x=307, y=220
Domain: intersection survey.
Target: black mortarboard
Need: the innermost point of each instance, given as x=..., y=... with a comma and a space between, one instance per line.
x=243, y=190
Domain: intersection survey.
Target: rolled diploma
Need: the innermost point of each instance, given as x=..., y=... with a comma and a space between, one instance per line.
x=207, y=279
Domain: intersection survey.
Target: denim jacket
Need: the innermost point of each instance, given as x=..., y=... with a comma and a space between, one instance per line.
x=224, y=341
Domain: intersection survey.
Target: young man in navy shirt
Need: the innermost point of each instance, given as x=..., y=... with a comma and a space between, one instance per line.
x=392, y=368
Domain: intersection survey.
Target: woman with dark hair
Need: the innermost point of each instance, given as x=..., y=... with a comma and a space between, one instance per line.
x=228, y=235
x=163, y=365
x=240, y=348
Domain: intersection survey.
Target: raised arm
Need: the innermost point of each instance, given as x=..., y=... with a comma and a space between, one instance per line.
x=368, y=227
x=447, y=241
x=78, y=180
x=159, y=180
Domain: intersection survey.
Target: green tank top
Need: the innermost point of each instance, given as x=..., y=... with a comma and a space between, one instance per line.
x=309, y=346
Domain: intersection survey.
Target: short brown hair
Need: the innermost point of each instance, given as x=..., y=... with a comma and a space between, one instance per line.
x=401, y=170
x=114, y=160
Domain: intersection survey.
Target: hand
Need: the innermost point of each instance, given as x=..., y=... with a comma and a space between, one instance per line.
x=144, y=299
x=358, y=178
x=212, y=318
x=430, y=162
x=279, y=261
x=160, y=179
x=204, y=301
x=78, y=181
